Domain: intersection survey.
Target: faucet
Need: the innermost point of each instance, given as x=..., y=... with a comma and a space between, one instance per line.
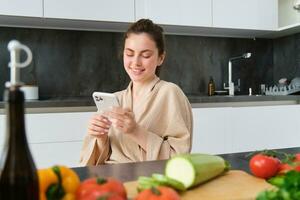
x=230, y=83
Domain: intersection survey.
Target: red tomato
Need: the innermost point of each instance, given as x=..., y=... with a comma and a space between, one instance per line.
x=293, y=164
x=264, y=166
x=96, y=195
x=284, y=167
x=159, y=193
x=297, y=168
x=297, y=157
x=98, y=185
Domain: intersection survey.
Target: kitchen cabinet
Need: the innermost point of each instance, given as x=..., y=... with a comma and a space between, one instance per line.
x=245, y=14
x=56, y=127
x=176, y=12
x=54, y=138
x=240, y=129
x=95, y=10
x=268, y=127
x=2, y=130
x=28, y=8
x=287, y=15
x=234, y=14
x=230, y=18
x=210, y=131
x=57, y=153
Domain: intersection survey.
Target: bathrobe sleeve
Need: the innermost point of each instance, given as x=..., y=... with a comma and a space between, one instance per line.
x=94, y=150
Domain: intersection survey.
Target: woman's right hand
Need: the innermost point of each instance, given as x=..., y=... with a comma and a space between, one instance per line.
x=98, y=126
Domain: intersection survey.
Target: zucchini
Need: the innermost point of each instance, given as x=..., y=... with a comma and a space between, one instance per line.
x=167, y=181
x=145, y=182
x=193, y=169
x=156, y=179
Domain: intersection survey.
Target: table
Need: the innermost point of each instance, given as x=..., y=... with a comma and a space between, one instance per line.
x=131, y=171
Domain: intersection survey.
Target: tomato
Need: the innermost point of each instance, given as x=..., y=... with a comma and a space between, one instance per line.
x=97, y=185
x=284, y=167
x=264, y=166
x=297, y=168
x=297, y=157
x=103, y=196
x=291, y=164
x=158, y=193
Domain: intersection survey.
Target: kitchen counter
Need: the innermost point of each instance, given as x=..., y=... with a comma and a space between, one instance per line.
x=242, y=100
x=131, y=171
x=86, y=104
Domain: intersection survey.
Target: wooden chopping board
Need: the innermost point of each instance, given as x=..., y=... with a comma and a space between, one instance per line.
x=234, y=185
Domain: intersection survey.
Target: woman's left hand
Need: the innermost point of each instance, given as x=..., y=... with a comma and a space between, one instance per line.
x=123, y=119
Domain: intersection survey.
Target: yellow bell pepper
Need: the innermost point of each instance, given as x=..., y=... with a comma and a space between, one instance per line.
x=58, y=182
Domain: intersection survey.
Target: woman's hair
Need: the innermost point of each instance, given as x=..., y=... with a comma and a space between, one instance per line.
x=153, y=30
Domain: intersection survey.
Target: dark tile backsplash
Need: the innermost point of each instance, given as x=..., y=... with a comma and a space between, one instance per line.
x=287, y=57
x=192, y=60
x=72, y=64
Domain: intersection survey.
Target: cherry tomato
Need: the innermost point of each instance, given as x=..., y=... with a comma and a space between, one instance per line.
x=264, y=166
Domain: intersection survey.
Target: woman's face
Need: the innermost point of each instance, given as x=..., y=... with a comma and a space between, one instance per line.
x=141, y=57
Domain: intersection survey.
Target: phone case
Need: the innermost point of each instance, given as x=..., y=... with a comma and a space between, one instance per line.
x=105, y=101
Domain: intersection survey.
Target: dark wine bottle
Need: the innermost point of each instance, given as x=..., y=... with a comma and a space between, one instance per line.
x=19, y=178
x=18, y=174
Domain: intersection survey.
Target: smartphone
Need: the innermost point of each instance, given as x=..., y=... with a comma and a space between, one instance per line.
x=105, y=101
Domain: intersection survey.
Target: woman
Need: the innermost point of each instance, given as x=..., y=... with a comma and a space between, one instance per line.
x=154, y=120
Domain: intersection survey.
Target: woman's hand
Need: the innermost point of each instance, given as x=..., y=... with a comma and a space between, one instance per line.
x=98, y=126
x=123, y=119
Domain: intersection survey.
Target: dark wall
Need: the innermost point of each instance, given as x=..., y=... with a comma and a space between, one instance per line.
x=69, y=64
x=191, y=60
x=287, y=57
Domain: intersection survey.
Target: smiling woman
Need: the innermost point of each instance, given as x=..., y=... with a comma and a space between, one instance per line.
x=154, y=119
x=140, y=63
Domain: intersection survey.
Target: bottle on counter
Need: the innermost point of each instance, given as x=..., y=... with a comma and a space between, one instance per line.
x=211, y=87
x=18, y=178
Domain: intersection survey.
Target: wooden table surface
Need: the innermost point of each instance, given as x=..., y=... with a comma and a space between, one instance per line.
x=131, y=171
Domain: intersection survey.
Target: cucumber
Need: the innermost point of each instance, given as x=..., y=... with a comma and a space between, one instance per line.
x=193, y=169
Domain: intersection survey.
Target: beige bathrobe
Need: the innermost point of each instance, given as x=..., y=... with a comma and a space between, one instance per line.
x=164, y=111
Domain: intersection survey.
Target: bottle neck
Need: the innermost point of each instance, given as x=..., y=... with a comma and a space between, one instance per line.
x=15, y=117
